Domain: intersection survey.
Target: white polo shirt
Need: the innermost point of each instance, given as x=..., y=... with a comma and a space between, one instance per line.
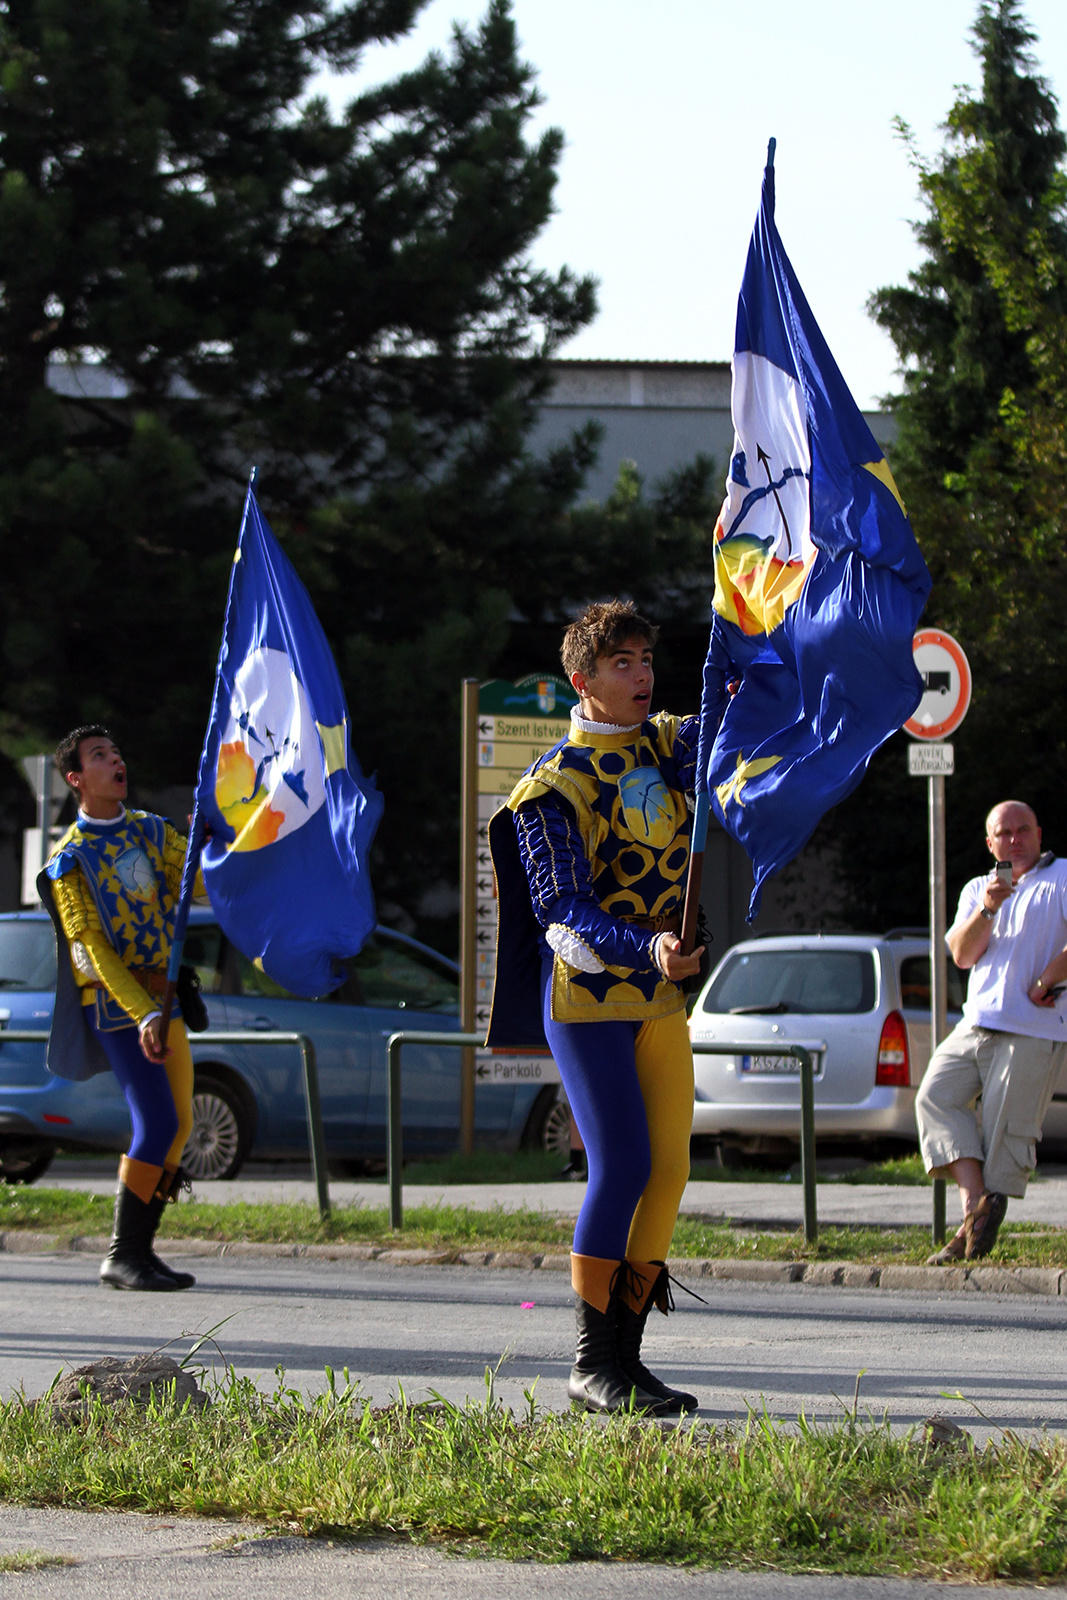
x=1028, y=930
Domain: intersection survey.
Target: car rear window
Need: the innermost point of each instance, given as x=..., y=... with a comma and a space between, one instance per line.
x=915, y=984
x=827, y=982
x=27, y=955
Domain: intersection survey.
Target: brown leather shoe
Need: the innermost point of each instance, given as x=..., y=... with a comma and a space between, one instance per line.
x=954, y=1251
x=983, y=1224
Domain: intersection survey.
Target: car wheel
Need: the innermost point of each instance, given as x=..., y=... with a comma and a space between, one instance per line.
x=549, y=1124
x=218, y=1145
x=25, y=1162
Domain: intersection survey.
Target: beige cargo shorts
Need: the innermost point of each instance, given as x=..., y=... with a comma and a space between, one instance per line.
x=1014, y=1076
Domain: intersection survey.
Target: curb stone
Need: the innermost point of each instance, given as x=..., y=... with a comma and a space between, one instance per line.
x=1048, y=1281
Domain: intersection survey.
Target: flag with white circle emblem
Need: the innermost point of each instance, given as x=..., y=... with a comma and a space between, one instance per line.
x=819, y=582
x=290, y=815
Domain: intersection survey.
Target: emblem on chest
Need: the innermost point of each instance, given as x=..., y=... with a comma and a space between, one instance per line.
x=647, y=807
x=137, y=876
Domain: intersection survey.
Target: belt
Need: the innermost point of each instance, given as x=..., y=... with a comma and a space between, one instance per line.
x=669, y=922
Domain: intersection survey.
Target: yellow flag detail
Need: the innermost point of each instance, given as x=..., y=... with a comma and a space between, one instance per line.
x=333, y=747
x=731, y=789
x=881, y=471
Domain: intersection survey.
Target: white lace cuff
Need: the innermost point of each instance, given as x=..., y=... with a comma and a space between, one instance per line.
x=82, y=960
x=655, y=950
x=572, y=949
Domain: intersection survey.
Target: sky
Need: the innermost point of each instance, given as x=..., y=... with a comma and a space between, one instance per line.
x=667, y=106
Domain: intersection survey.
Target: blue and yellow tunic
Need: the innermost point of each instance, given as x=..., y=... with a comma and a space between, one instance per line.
x=594, y=869
x=115, y=887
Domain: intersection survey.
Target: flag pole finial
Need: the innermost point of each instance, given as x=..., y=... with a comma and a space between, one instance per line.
x=252, y=476
x=771, y=143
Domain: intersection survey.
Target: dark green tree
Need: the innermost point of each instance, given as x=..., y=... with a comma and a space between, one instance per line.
x=980, y=458
x=202, y=267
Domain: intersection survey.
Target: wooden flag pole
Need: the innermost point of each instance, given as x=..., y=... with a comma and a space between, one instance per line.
x=181, y=920
x=696, y=872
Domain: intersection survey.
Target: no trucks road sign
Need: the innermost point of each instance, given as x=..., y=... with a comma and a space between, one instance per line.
x=946, y=678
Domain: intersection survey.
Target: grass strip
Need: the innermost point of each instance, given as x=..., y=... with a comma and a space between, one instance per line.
x=848, y=1497
x=32, y=1561
x=69, y=1213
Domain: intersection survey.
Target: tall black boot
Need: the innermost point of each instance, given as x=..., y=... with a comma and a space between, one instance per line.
x=597, y=1382
x=156, y=1207
x=647, y=1284
x=127, y=1264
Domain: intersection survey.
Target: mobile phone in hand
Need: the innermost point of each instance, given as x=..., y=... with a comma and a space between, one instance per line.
x=1056, y=990
x=1004, y=873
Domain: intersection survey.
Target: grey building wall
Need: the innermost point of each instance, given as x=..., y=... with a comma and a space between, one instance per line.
x=659, y=414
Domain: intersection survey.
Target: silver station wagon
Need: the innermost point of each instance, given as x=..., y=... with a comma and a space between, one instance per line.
x=859, y=1002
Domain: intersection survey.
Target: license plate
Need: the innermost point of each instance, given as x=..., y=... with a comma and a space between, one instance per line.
x=786, y=1065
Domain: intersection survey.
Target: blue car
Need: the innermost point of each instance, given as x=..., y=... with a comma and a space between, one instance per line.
x=249, y=1101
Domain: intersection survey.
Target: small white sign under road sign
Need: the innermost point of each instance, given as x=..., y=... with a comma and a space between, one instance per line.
x=931, y=760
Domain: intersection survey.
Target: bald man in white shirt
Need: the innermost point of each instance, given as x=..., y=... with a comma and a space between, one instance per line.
x=1011, y=932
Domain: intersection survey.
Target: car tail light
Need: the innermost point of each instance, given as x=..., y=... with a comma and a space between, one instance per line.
x=51, y=1117
x=894, y=1071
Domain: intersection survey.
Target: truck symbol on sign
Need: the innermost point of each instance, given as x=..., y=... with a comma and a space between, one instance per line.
x=937, y=682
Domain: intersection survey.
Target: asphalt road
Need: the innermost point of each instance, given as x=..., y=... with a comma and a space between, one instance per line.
x=437, y=1328
x=794, y=1348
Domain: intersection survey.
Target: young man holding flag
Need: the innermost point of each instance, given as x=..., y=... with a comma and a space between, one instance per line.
x=111, y=886
x=591, y=855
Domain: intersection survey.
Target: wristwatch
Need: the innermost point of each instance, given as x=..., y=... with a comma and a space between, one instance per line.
x=987, y=914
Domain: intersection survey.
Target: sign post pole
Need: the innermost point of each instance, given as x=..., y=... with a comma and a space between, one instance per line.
x=468, y=872
x=946, y=677
x=938, y=959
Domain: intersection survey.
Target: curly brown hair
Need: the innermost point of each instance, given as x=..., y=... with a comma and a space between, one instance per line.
x=600, y=630
x=68, y=756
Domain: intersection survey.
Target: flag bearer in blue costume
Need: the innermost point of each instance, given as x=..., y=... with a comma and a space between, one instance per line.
x=111, y=886
x=591, y=855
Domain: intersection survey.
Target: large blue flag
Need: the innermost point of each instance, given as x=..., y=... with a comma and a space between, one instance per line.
x=290, y=815
x=819, y=582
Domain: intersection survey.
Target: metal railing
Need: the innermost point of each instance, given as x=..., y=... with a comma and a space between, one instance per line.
x=312, y=1098
x=806, y=1062
x=803, y=1057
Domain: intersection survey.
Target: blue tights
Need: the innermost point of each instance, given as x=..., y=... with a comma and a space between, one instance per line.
x=147, y=1089
x=630, y=1087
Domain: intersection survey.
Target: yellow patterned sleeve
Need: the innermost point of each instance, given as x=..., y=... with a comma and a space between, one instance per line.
x=174, y=862
x=92, y=956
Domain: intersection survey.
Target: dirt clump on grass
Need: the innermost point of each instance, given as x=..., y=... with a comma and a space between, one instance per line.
x=111, y=1382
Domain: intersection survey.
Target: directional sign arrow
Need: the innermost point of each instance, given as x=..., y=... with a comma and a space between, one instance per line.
x=483, y=831
x=484, y=858
x=483, y=1013
x=486, y=726
x=485, y=909
x=485, y=886
x=482, y=1071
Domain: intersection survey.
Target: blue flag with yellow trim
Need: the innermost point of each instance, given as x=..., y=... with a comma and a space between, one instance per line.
x=819, y=582
x=290, y=815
